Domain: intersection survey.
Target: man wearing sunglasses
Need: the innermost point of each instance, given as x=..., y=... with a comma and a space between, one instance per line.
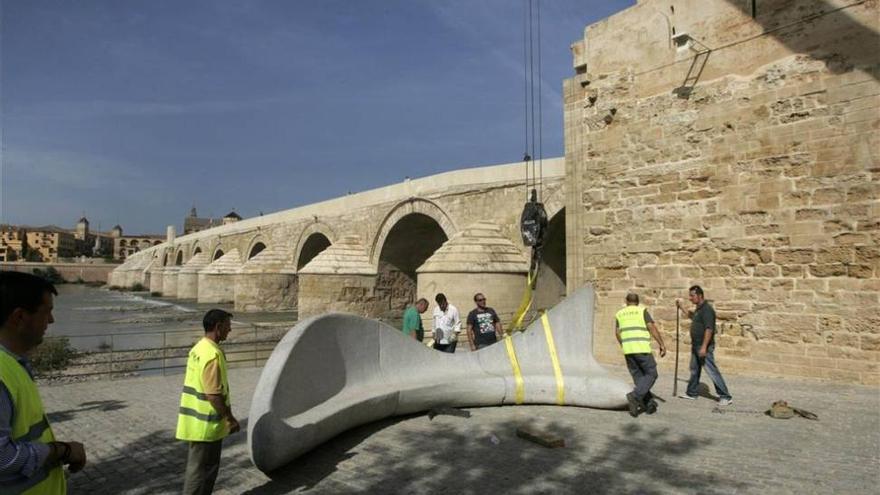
x=483, y=324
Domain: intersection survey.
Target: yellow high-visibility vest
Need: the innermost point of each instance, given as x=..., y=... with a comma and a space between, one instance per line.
x=197, y=420
x=634, y=335
x=29, y=423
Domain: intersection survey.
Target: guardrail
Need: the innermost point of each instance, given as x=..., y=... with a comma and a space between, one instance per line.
x=153, y=353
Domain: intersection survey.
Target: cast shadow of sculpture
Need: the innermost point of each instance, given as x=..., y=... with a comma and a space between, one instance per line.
x=634, y=459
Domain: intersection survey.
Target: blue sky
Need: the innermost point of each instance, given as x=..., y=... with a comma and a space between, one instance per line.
x=133, y=111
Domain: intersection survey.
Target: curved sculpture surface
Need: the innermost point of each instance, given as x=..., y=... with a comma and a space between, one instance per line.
x=337, y=371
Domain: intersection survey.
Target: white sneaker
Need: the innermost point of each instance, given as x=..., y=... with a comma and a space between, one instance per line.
x=725, y=402
x=686, y=396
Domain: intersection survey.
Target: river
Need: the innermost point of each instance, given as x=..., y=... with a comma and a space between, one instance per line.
x=93, y=318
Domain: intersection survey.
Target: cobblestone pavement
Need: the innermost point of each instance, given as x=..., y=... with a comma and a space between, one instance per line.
x=128, y=425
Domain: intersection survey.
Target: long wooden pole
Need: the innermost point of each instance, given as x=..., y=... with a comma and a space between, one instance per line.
x=675, y=375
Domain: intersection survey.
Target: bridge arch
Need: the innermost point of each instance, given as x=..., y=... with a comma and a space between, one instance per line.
x=217, y=251
x=315, y=238
x=178, y=259
x=411, y=206
x=410, y=234
x=257, y=244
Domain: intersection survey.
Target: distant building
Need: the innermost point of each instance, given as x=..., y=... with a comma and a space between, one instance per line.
x=91, y=243
x=126, y=245
x=82, y=229
x=193, y=223
x=13, y=243
x=231, y=217
x=50, y=243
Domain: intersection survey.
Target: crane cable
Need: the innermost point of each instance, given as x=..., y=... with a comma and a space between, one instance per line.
x=534, y=217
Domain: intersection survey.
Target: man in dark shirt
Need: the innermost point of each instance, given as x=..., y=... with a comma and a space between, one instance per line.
x=703, y=347
x=483, y=324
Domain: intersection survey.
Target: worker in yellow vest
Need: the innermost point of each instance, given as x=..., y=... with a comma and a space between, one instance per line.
x=205, y=415
x=634, y=328
x=31, y=459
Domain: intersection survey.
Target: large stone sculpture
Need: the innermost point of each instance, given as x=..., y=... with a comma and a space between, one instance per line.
x=337, y=371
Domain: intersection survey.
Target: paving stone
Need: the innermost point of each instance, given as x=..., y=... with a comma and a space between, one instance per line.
x=684, y=448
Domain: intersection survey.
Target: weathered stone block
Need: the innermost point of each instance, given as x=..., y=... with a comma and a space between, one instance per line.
x=793, y=256
x=828, y=270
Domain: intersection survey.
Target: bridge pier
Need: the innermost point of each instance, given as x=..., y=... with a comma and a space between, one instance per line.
x=267, y=282
x=169, y=281
x=157, y=276
x=217, y=281
x=188, y=278
x=340, y=278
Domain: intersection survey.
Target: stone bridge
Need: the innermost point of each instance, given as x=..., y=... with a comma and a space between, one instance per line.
x=373, y=252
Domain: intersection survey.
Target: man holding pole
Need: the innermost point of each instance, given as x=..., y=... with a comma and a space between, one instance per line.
x=634, y=327
x=703, y=347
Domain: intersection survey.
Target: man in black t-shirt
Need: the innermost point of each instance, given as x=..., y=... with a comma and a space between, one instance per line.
x=483, y=324
x=703, y=347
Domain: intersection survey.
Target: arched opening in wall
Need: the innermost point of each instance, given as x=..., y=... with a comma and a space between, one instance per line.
x=412, y=240
x=550, y=288
x=258, y=247
x=313, y=246
x=218, y=254
x=165, y=260
x=179, y=260
x=197, y=251
x=156, y=243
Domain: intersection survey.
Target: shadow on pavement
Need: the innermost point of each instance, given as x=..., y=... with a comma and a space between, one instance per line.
x=101, y=405
x=635, y=459
x=154, y=463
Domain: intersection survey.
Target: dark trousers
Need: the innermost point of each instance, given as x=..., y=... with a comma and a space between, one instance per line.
x=697, y=364
x=450, y=348
x=643, y=369
x=202, y=466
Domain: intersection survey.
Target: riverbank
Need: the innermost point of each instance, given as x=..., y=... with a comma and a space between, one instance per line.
x=71, y=272
x=113, y=333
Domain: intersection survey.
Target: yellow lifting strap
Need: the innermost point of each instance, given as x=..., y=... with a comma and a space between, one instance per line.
x=554, y=358
x=520, y=391
x=526, y=303
x=519, y=382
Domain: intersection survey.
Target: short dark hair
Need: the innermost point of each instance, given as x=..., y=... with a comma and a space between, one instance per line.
x=696, y=289
x=422, y=300
x=477, y=295
x=214, y=317
x=632, y=297
x=21, y=290
x=440, y=298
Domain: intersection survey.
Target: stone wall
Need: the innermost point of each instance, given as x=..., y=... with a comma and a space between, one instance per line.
x=761, y=184
x=71, y=272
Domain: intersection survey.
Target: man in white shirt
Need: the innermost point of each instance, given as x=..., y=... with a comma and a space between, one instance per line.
x=447, y=325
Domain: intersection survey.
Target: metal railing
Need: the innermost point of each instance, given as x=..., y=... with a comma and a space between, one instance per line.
x=154, y=353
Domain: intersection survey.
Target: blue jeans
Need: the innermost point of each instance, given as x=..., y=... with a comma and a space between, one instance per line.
x=697, y=363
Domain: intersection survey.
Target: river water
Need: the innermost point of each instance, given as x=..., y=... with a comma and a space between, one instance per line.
x=93, y=318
